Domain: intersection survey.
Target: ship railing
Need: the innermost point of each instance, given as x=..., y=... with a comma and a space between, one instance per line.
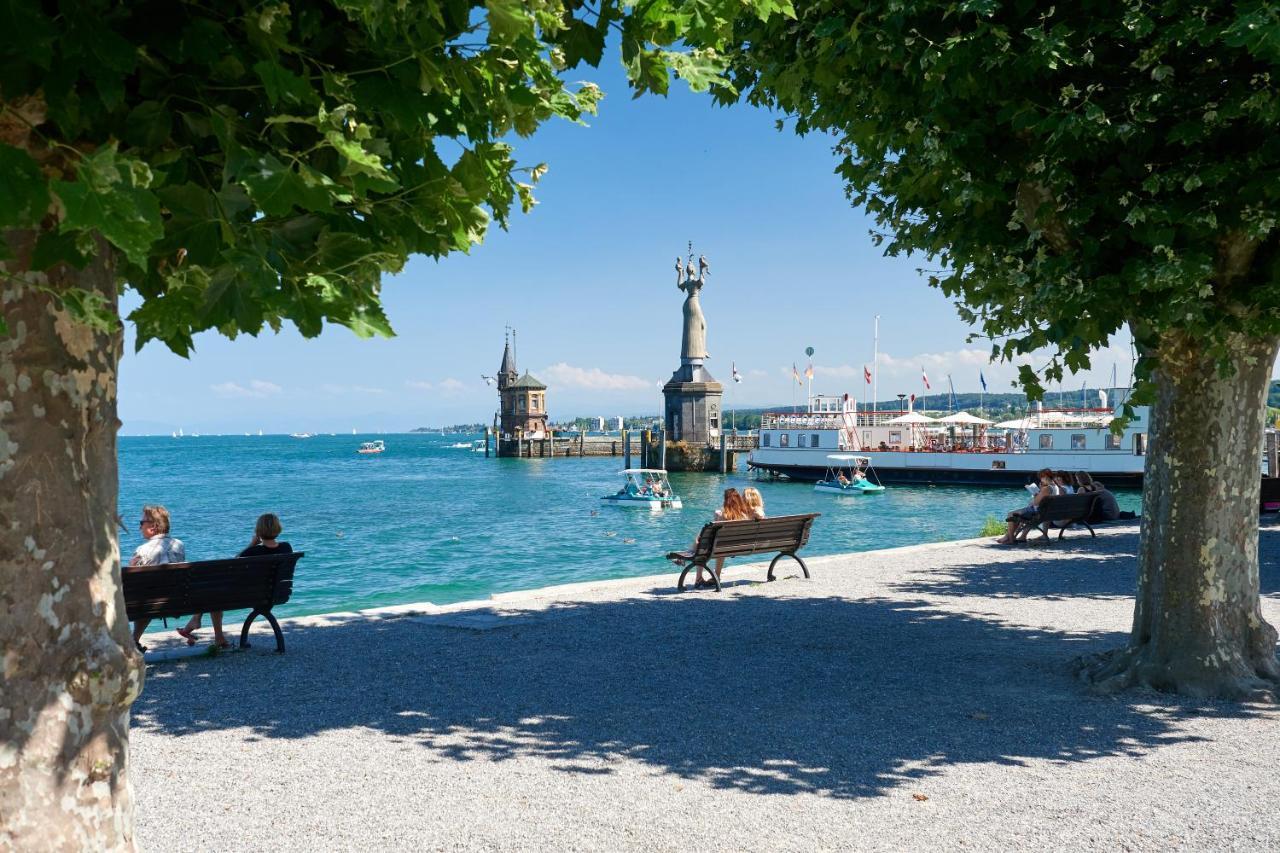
x=802, y=421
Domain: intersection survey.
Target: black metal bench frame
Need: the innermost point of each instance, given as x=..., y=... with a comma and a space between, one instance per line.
x=1066, y=511
x=785, y=534
x=256, y=584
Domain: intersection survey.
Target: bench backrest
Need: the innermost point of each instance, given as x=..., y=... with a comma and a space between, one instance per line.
x=754, y=536
x=1066, y=507
x=239, y=583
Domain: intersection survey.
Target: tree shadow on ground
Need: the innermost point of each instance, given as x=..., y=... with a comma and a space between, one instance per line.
x=1082, y=567
x=753, y=690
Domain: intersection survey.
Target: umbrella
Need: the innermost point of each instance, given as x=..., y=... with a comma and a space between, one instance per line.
x=912, y=418
x=963, y=418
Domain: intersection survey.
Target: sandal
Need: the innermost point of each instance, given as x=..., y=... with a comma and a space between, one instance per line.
x=190, y=636
x=225, y=644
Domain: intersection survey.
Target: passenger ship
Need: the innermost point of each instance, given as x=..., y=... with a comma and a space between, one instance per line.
x=907, y=447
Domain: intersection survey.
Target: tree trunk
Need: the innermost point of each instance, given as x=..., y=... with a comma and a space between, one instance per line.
x=68, y=668
x=1198, y=627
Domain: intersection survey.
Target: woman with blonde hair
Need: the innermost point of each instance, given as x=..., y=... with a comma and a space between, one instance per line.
x=265, y=533
x=754, y=500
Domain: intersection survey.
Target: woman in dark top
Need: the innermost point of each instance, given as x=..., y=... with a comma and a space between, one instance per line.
x=265, y=535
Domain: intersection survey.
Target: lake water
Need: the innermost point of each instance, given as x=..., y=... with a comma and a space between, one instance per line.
x=427, y=521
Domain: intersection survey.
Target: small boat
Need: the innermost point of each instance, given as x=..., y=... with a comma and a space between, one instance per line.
x=372, y=447
x=478, y=446
x=861, y=479
x=646, y=488
x=300, y=435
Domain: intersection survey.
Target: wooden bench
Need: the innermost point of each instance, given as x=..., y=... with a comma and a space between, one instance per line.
x=1061, y=511
x=784, y=534
x=256, y=584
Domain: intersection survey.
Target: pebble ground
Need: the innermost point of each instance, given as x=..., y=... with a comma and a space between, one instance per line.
x=915, y=698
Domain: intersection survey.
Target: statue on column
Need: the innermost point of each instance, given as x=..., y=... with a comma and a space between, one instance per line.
x=693, y=343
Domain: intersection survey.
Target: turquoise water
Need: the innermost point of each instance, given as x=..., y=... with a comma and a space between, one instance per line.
x=425, y=521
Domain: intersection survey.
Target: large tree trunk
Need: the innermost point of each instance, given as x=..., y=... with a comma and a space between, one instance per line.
x=68, y=668
x=1198, y=627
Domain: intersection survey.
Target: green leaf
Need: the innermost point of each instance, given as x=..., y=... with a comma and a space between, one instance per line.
x=367, y=322
x=581, y=43
x=273, y=186
x=127, y=217
x=282, y=85
x=508, y=20
x=149, y=125
x=22, y=189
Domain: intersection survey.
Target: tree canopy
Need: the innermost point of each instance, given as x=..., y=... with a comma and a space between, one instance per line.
x=253, y=163
x=1069, y=168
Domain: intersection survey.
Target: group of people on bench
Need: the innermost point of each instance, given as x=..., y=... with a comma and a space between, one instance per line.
x=737, y=506
x=1053, y=483
x=159, y=548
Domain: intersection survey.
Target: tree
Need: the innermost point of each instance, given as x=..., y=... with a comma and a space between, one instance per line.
x=1072, y=169
x=239, y=165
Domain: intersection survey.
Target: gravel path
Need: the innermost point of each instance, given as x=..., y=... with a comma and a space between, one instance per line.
x=902, y=699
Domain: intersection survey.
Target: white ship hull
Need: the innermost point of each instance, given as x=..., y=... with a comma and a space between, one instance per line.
x=1116, y=469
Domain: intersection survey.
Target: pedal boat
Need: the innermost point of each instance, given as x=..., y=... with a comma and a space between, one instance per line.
x=645, y=488
x=861, y=478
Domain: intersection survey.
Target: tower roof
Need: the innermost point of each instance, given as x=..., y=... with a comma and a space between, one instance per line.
x=508, y=360
x=527, y=381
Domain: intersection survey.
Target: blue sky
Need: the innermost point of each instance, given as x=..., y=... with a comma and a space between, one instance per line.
x=587, y=279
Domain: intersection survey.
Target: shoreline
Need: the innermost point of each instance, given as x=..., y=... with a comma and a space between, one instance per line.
x=164, y=645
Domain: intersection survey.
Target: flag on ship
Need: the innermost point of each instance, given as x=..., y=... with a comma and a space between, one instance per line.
x=737, y=377
x=866, y=374
x=808, y=371
x=795, y=374
x=925, y=378
x=983, y=380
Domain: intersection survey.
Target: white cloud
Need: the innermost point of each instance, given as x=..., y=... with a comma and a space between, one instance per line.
x=448, y=386
x=257, y=388
x=593, y=379
x=351, y=389
x=263, y=387
x=452, y=386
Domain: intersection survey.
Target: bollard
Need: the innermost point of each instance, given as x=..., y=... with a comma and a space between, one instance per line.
x=626, y=449
x=723, y=468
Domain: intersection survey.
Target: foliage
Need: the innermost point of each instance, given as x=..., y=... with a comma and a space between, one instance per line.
x=1071, y=168
x=992, y=526
x=259, y=162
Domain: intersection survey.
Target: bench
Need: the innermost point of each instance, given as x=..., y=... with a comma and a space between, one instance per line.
x=784, y=534
x=1061, y=511
x=256, y=584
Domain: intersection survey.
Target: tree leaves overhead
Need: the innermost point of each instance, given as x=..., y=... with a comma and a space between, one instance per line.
x=1070, y=168
x=260, y=162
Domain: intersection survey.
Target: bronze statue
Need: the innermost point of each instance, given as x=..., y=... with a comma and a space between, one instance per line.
x=693, y=344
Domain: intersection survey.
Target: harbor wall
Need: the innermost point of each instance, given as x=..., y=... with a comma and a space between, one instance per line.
x=645, y=449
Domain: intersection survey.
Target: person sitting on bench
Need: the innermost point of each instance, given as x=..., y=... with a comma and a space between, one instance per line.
x=265, y=533
x=159, y=549
x=735, y=508
x=1047, y=488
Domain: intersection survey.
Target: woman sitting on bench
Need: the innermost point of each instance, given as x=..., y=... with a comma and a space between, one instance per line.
x=1047, y=489
x=735, y=508
x=265, y=532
